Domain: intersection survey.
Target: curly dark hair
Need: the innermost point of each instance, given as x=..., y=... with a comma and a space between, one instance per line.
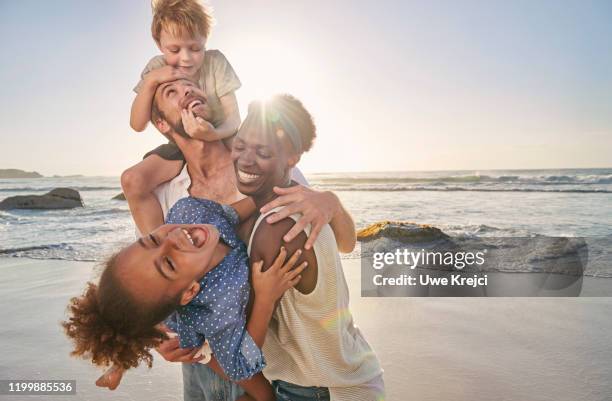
x=109, y=326
x=282, y=109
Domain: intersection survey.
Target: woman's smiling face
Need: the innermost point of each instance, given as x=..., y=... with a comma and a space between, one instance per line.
x=261, y=161
x=167, y=261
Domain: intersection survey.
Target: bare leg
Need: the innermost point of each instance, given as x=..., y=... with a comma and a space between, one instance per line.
x=138, y=184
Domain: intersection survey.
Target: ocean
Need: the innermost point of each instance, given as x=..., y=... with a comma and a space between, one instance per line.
x=499, y=203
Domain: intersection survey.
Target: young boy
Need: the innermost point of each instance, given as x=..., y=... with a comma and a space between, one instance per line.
x=180, y=29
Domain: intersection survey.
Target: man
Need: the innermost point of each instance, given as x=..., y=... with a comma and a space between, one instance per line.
x=209, y=173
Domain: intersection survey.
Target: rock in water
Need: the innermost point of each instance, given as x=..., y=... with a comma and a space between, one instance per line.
x=120, y=197
x=400, y=231
x=59, y=198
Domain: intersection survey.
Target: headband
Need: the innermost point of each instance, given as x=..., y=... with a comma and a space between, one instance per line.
x=288, y=127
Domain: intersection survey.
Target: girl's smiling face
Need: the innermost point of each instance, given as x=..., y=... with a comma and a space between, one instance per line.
x=169, y=261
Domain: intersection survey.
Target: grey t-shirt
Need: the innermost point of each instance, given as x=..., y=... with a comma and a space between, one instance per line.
x=217, y=79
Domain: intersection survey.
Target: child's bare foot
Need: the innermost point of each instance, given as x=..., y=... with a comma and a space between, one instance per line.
x=111, y=378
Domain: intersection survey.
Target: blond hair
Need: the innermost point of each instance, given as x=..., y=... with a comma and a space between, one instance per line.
x=180, y=17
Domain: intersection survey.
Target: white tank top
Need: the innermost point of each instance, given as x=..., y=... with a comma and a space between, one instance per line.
x=312, y=339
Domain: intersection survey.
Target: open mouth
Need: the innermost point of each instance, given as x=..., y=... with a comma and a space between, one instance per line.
x=247, y=178
x=196, y=236
x=195, y=103
x=192, y=101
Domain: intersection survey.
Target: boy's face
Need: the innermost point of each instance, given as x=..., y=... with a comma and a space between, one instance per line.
x=186, y=52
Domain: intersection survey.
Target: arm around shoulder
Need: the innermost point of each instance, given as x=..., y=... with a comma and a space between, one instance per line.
x=344, y=228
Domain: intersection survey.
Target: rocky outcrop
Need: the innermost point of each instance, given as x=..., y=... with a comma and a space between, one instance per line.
x=400, y=231
x=119, y=197
x=15, y=173
x=59, y=198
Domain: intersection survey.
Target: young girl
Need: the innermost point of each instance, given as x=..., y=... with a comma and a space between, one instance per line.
x=202, y=272
x=180, y=29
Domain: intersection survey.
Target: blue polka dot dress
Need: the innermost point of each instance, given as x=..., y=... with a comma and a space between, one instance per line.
x=218, y=312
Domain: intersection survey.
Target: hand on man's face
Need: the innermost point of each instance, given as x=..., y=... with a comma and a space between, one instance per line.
x=196, y=126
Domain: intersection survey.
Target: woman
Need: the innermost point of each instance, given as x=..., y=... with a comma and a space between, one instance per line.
x=313, y=349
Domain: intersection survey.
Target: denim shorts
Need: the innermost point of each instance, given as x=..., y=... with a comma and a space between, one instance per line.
x=201, y=383
x=292, y=392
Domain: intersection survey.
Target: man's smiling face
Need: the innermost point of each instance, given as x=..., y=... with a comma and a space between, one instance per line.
x=172, y=97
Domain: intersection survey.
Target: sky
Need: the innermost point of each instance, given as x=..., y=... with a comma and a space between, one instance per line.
x=392, y=85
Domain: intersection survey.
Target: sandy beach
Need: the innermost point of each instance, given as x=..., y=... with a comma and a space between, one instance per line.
x=530, y=349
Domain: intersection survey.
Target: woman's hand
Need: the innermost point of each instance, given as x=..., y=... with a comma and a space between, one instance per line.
x=271, y=284
x=316, y=207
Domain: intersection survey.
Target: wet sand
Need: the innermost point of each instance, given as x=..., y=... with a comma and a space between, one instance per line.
x=456, y=349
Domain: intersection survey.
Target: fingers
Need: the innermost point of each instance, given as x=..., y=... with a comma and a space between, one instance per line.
x=314, y=233
x=292, y=260
x=189, y=357
x=288, y=190
x=256, y=270
x=169, y=345
x=296, y=229
x=293, y=273
x=280, y=201
x=280, y=259
x=257, y=266
x=171, y=351
x=294, y=282
x=294, y=276
x=284, y=213
x=185, y=119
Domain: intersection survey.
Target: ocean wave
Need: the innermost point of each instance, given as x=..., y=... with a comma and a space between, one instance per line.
x=465, y=189
x=10, y=251
x=580, y=179
x=105, y=212
x=47, y=189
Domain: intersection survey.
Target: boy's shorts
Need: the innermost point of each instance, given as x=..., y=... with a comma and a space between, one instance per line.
x=167, y=151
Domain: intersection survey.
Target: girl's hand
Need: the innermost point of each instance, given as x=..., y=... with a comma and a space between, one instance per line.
x=197, y=127
x=270, y=285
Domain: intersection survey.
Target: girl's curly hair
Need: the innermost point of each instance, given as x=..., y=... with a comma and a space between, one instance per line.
x=109, y=326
